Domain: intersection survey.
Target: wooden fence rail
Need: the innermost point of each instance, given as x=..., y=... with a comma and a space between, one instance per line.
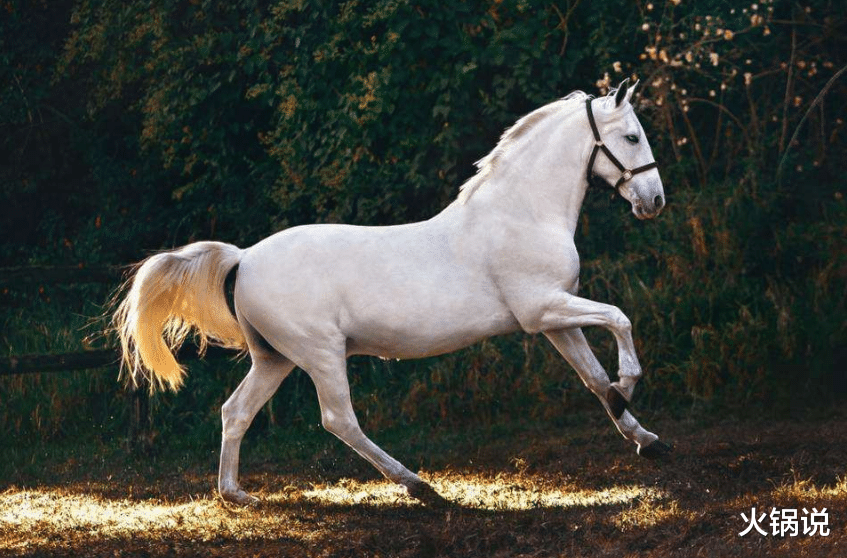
x=29, y=364
x=89, y=360
x=44, y=275
x=84, y=360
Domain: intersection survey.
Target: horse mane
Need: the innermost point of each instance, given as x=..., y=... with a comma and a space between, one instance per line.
x=487, y=165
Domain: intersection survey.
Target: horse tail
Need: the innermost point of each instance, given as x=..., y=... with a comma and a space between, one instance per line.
x=169, y=295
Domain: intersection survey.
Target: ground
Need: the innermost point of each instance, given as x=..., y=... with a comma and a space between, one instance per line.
x=522, y=490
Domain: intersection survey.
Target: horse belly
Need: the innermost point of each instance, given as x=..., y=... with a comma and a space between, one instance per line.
x=414, y=332
x=397, y=295
x=421, y=309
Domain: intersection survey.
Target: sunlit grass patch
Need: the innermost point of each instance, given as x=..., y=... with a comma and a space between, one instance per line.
x=503, y=492
x=36, y=520
x=807, y=490
x=523, y=492
x=350, y=492
x=37, y=510
x=797, y=493
x=649, y=513
x=33, y=519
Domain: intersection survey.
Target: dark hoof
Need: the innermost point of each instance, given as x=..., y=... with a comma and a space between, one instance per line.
x=657, y=450
x=426, y=495
x=616, y=401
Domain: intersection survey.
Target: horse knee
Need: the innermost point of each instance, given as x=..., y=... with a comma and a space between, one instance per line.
x=620, y=321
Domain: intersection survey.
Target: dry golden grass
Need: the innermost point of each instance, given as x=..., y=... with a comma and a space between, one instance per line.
x=574, y=493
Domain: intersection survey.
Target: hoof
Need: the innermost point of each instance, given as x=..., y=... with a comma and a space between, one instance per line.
x=617, y=402
x=240, y=498
x=426, y=495
x=656, y=450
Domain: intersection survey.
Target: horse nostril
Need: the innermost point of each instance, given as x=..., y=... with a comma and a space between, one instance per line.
x=658, y=202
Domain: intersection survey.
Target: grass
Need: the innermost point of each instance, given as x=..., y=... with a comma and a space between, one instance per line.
x=521, y=489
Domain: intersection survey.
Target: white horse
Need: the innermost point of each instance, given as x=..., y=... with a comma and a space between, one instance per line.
x=500, y=258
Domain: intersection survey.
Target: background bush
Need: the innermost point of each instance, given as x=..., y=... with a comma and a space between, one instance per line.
x=129, y=128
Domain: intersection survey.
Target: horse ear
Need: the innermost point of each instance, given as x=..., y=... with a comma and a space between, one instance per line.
x=629, y=94
x=622, y=93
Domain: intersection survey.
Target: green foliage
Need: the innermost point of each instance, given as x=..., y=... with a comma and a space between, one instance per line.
x=131, y=127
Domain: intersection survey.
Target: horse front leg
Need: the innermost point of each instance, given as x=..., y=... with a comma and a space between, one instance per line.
x=561, y=323
x=572, y=345
x=567, y=311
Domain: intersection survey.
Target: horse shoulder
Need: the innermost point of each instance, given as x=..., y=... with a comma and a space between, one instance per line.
x=534, y=271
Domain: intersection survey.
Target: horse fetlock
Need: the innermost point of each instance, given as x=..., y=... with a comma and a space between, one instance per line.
x=237, y=496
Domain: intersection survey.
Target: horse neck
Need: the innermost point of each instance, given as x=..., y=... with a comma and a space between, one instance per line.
x=543, y=181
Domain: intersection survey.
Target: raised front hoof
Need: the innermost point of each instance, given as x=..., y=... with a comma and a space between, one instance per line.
x=239, y=498
x=426, y=495
x=617, y=402
x=656, y=450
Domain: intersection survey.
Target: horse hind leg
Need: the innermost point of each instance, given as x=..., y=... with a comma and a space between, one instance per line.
x=267, y=372
x=329, y=374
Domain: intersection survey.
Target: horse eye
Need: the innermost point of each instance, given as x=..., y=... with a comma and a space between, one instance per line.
x=631, y=138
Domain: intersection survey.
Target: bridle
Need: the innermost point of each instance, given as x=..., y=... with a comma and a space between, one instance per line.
x=626, y=173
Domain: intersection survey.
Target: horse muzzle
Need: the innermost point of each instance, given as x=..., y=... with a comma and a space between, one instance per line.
x=649, y=208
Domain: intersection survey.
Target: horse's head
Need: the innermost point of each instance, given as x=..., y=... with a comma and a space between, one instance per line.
x=626, y=160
